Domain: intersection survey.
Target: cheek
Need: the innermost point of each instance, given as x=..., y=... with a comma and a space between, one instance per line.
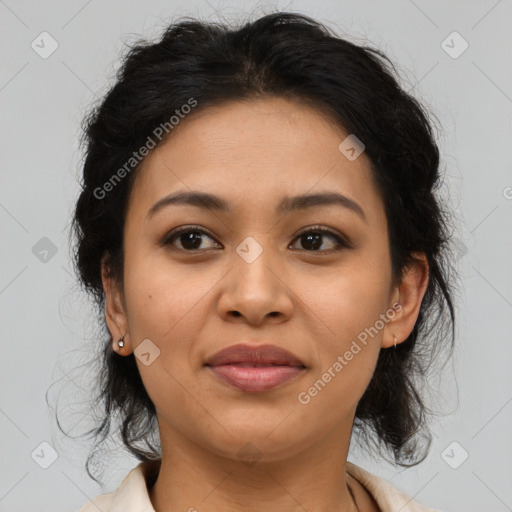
x=347, y=344
x=167, y=307
x=346, y=308
x=160, y=298
x=347, y=300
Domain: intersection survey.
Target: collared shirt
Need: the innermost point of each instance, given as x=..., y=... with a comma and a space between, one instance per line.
x=132, y=495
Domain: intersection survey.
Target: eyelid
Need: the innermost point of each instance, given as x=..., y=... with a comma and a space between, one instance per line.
x=185, y=229
x=319, y=228
x=341, y=239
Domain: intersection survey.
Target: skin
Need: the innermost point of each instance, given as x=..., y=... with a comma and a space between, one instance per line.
x=312, y=302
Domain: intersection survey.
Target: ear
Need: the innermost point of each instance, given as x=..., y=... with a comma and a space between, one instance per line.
x=115, y=311
x=409, y=294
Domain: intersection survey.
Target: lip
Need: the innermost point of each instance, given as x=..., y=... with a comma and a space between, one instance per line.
x=255, y=368
x=261, y=354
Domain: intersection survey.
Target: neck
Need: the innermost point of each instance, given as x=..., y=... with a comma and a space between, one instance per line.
x=193, y=478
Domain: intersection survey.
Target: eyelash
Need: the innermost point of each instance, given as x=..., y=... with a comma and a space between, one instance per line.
x=343, y=243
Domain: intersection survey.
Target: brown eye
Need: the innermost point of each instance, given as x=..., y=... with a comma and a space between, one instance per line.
x=190, y=238
x=314, y=238
x=194, y=239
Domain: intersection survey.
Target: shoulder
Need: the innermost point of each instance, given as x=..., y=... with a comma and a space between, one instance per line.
x=102, y=502
x=131, y=496
x=384, y=494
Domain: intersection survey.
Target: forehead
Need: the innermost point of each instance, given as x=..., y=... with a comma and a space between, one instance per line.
x=255, y=151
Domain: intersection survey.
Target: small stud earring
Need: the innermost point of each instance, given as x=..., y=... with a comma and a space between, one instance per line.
x=120, y=342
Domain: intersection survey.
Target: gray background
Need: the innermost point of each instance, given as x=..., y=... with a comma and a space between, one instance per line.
x=47, y=327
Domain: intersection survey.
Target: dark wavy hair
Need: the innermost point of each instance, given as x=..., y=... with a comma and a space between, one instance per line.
x=291, y=56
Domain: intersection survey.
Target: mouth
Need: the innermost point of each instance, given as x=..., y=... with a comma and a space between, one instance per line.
x=255, y=368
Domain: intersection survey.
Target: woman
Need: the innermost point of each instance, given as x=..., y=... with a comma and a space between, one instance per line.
x=259, y=227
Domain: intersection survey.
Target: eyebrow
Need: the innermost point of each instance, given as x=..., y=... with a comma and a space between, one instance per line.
x=288, y=204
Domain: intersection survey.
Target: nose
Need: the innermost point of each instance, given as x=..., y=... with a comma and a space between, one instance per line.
x=256, y=292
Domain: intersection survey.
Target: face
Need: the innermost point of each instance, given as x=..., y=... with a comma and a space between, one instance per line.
x=310, y=278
